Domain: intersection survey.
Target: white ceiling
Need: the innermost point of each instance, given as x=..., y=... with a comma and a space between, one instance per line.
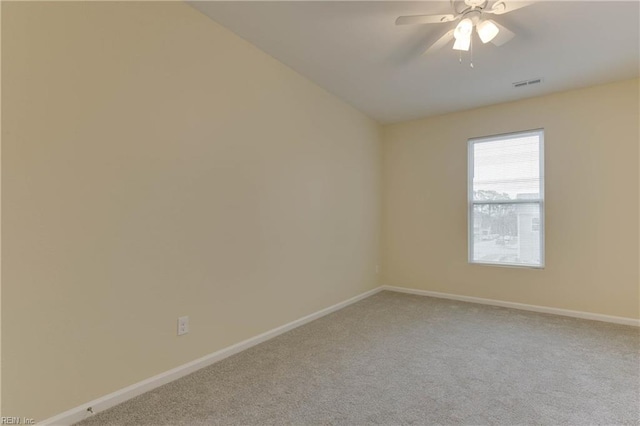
x=355, y=51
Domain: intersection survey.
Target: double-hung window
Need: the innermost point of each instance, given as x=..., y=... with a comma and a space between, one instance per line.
x=506, y=199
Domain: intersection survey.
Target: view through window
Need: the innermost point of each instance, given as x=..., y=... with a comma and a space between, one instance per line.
x=506, y=199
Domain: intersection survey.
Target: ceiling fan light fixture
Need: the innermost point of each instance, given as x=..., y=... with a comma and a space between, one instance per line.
x=462, y=43
x=487, y=30
x=464, y=28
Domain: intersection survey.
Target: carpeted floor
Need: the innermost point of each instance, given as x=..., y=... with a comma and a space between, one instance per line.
x=402, y=359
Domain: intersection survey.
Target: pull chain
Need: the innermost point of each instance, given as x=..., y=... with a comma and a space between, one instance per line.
x=471, y=49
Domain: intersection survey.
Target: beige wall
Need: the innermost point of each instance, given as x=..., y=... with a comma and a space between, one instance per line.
x=0, y=215
x=591, y=161
x=156, y=165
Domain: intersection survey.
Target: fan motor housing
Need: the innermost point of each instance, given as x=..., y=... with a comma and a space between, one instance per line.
x=475, y=3
x=474, y=15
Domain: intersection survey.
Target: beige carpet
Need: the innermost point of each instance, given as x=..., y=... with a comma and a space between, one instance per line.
x=401, y=359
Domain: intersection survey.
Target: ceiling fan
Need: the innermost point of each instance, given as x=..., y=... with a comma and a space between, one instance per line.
x=471, y=14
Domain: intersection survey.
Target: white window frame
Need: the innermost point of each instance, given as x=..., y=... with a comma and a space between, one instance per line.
x=471, y=203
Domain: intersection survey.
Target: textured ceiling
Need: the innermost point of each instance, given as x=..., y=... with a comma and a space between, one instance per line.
x=355, y=51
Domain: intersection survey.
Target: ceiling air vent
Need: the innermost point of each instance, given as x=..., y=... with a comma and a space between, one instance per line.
x=527, y=82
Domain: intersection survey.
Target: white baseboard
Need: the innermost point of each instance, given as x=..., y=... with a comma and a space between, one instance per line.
x=97, y=405
x=521, y=306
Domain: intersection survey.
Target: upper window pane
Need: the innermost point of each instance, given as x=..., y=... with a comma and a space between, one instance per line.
x=507, y=169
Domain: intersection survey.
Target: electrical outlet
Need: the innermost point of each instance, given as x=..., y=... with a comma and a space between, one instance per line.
x=183, y=325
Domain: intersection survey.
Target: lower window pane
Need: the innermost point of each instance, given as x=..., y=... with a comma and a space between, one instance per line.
x=507, y=234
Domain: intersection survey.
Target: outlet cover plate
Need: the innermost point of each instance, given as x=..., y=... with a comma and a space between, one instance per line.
x=183, y=325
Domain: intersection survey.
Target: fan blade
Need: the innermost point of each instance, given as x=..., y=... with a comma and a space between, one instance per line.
x=424, y=19
x=502, y=7
x=438, y=44
x=504, y=35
